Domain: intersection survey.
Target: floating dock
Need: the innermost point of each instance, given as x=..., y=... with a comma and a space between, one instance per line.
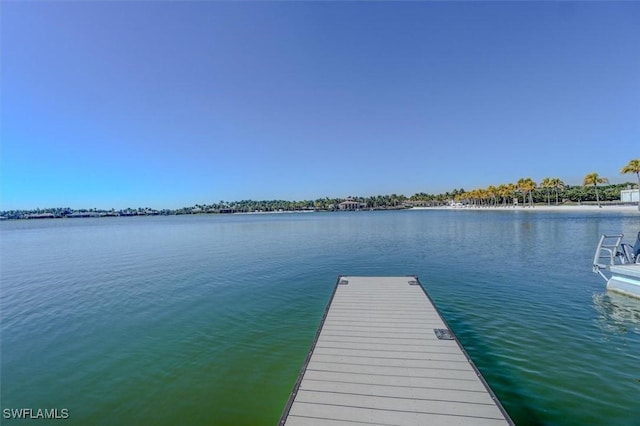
x=384, y=355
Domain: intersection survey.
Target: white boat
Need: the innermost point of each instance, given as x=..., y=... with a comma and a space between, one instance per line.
x=619, y=264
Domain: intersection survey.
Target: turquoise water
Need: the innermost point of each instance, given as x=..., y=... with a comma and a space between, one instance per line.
x=208, y=319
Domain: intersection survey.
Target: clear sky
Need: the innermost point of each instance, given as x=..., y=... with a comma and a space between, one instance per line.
x=168, y=104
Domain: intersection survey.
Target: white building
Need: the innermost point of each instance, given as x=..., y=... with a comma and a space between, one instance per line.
x=629, y=195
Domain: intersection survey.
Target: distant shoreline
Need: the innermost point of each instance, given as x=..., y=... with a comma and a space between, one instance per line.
x=584, y=208
x=544, y=208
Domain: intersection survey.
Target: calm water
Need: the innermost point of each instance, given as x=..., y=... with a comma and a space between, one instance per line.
x=208, y=319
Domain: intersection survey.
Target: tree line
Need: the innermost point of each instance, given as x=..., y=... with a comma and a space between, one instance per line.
x=525, y=191
x=529, y=192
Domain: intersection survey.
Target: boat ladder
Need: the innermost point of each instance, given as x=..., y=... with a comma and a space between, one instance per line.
x=606, y=254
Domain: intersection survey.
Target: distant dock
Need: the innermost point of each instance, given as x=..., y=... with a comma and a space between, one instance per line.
x=384, y=355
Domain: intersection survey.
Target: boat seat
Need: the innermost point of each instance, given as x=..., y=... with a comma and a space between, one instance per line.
x=629, y=253
x=626, y=253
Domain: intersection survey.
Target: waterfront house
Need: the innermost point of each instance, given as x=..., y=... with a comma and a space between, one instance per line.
x=349, y=204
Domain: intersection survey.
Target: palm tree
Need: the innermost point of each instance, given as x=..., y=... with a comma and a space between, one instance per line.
x=503, y=192
x=513, y=193
x=492, y=193
x=483, y=195
x=526, y=185
x=519, y=187
x=546, y=184
x=531, y=186
x=633, y=166
x=594, y=179
x=557, y=184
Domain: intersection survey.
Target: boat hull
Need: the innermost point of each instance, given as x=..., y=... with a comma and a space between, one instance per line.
x=625, y=279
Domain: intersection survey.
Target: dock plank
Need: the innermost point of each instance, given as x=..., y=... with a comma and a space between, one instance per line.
x=385, y=417
x=397, y=354
x=457, y=374
x=489, y=411
x=430, y=394
x=391, y=362
x=377, y=360
x=394, y=380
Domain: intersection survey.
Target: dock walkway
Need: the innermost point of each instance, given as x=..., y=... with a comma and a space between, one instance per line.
x=376, y=359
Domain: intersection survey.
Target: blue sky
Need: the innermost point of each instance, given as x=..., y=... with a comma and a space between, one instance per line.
x=169, y=104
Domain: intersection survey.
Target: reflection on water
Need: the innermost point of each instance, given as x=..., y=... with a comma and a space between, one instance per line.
x=618, y=315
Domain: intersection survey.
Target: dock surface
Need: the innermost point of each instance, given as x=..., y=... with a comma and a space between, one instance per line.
x=376, y=360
